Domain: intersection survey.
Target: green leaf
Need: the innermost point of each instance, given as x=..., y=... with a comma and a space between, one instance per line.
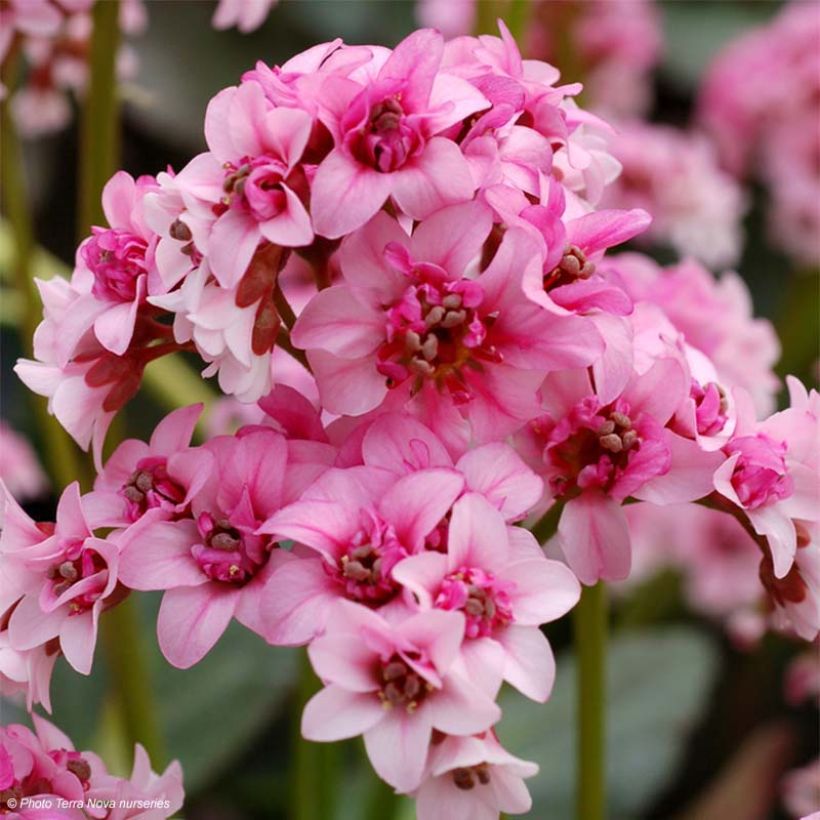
x=209, y=714
x=657, y=682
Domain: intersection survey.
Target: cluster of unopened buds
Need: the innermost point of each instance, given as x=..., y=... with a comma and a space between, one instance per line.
x=400, y=256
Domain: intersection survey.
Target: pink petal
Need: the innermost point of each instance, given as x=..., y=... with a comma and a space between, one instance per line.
x=690, y=476
x=418, y=502
x=362, y=258
x=544, y=590
x=600, y=230
x=335, y=321
x=771, y=521
x=344, y=660
x=115, y=328
x=191, y=620
x=175, y=430
x=461, y=708
x=439, y=177
x=453, y=237
x=477, y=536
x=529, y=664
x=231, y=246
x=29, y=626
x=335, y=713
x=287, y=131
x=347, y=386
x=415, y=60
x=157, y=555
x=78, y=637
x=295, y=601
x=118, y=199
x=595, y=538
x=401, y=444
x=422, y=575
x=291, y=228
x=397, y=747
x=498, y=473
x=345, y=194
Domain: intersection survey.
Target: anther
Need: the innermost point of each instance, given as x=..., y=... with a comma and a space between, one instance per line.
x=611, y=442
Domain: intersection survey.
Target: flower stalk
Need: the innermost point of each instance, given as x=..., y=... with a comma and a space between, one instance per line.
x=100, y=137
x=590, y=619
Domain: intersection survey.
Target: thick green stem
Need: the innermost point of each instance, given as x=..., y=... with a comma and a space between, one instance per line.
x=60, y=454
x=130, y=678
x=590, y=624
x=100, y=138
x=315, y=765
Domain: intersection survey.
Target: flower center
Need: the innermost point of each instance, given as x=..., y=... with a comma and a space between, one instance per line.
x=483, y=598
x=227, y=554
x=401, y=685
x=255, y=184
x=433, y=332
x=150, y=486
x=465, y=778
x=760, y=475
x=364, y=571
x=117, y=260
x=75, y=564
x=574, y=265
x=387, y=139
x=711, y=407
x=35, y=784
x=592, y=446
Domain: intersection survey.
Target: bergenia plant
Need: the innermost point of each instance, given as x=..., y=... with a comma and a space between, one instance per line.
x=462, y=410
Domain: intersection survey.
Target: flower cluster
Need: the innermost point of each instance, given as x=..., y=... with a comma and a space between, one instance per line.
x=613, y=44
x=400, y=255
x=696, y=207
x=761, y=102
x=54, y=39
x=43, y=775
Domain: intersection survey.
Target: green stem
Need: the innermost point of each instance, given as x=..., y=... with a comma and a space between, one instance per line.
x=100, y=138
x=547, y=525
x=130, y=678
x=60, y=454
x=315, y=765
x=590, y=624
x=382, y=801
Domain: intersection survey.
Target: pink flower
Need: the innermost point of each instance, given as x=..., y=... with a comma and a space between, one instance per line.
x=402, y=444
x=394, y=684
x=360, y=522
x=413, y=319
x=801, y=791
x=246, y=15
x=499, y=578
x=43, y=768
x=771, y=473
x=245, y=186
x=58, y=579
x=157, y=476
x=718, y=560
x=163, y=793
x=473, y=777
x=213, y=564
x=27, y=672
x=115, y=265
x=19, y=468
x=715, y=317
x=696, y=207
x=596, y=455
x=387, y=132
